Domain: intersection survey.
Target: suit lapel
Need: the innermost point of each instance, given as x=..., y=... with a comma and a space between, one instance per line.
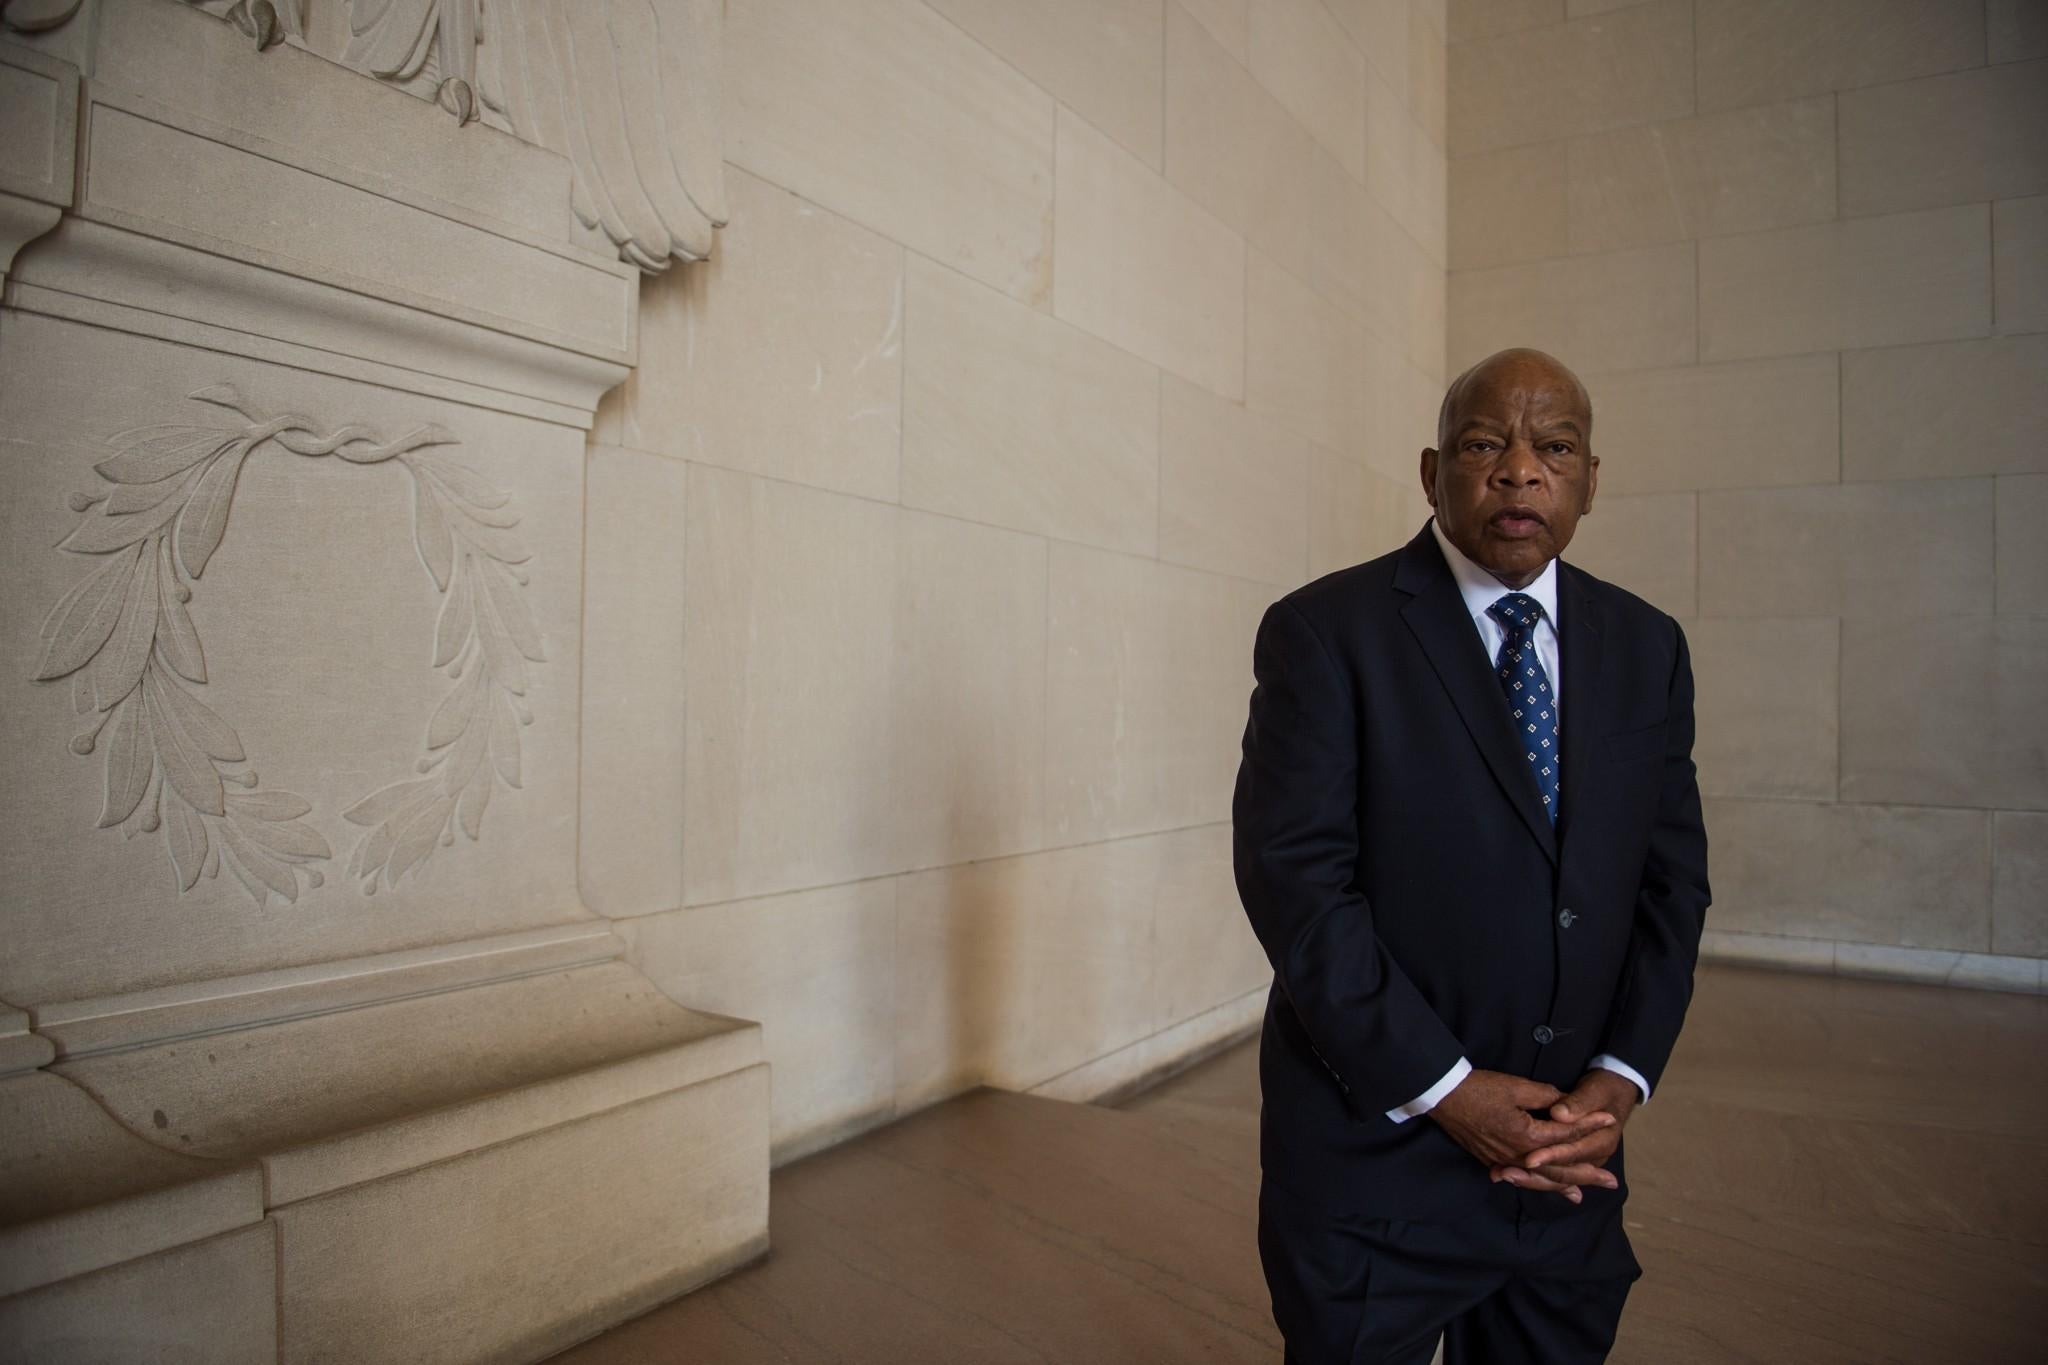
x=1436, y=614
x=1579, y=637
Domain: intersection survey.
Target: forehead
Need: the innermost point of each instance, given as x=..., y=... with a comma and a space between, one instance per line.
x=1509, y=391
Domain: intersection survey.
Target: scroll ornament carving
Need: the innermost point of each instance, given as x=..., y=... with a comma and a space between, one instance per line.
x=625, y=90
x=125, y=638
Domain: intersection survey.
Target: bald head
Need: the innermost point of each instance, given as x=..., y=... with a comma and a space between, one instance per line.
x=1516, y=366
x=1513, y=470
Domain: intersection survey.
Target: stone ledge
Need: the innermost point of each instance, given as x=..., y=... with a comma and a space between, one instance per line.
x=483, y=1065
x=79, y=1193
x=1878, y=962
x=78, y=1028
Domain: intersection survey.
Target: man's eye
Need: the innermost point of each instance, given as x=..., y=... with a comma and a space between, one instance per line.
x=1560, y=448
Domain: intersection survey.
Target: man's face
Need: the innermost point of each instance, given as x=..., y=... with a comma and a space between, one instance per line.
x=1517, y=470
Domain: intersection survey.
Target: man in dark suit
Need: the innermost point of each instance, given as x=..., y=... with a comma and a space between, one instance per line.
x=1482, y=920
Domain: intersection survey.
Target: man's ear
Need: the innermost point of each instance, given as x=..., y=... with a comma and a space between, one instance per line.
x=1429, y=474
x=1592, y=482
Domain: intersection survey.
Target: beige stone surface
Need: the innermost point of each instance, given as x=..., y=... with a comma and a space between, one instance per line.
x=1150, y=669
x=1767, y=707
x=2022, y=545
x=1381, y=29
x=312, y=111
x=1228, y=22
x=1024, y=421
x=885, y=111
x=2015, y=30
x=1012, y=972
x=1203, y=946
x=1905, y=875
x=1632, y=66
x=1101, y=60
x=1754, y=423
x=316, y=623
x=212, y=1301
x=1389, y=143
x=1904, y=277
x=1355, y=513
x=968, y=693
x=1740, y=171
x=1508, y=206
x=629, y=857
x=1298, y=50
x=1754, y=51
x=1236, y=150
x=1428, y=217
x=1143, y=266
x=79, y=1192
x=2019, y=265
x=222, y=1004
x=1646, y=543
x=1951, y=139
x=154, y=176
x=1622, y=310
x=1428, y=77
x=1303, y=357
x=1233, y=488
x=39, y=107
x=1920, y=549
x=364, y=1277
x=1967, y=407
x=510, y=1058
x=817, y=970
x=784, y=779
x=782, y=355
x=1946, y=711
x=2019, y=883
x=1140, y=1064
x=1483, y=18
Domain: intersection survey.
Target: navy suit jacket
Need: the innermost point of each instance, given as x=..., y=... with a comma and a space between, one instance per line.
x=1397, y=865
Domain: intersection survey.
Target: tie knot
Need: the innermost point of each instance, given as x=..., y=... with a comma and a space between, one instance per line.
x=1517, y=609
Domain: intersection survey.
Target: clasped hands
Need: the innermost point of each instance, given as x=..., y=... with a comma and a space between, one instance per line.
x=1491, y=1115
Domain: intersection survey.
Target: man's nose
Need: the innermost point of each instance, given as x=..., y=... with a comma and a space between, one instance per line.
x=1518, y=466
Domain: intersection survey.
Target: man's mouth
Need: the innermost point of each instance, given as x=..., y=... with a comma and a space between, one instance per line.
x=1518, y=523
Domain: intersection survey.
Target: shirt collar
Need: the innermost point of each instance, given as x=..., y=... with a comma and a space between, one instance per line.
x=1481, y=589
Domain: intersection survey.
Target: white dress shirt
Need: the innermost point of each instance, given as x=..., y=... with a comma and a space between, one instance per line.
x=1481, y=590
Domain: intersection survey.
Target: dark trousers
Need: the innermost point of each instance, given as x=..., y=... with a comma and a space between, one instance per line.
x=1499, y=1285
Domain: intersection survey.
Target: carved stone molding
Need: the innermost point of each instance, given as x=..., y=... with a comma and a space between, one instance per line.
x=626, y=90
x=125, y=638
x=267, y=22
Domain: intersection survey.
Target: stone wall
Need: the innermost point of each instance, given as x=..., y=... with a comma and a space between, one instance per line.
x=1046, y=345
x=1800, y=252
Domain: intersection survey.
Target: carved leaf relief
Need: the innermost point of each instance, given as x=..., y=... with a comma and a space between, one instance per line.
x=124, y=637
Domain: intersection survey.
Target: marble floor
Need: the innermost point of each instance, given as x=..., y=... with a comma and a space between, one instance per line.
x=1834, y=1171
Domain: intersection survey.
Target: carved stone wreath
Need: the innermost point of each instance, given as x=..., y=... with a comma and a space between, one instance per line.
x=125, y=638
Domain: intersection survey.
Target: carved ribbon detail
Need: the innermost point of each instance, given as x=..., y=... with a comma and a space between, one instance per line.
x=125, y=638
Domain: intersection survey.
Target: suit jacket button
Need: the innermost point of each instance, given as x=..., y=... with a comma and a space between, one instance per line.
x=1565, y=918
x=1543, y=1033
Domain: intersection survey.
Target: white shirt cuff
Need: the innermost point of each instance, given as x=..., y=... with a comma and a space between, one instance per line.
x=1430, y=1098
x=1608, y=1062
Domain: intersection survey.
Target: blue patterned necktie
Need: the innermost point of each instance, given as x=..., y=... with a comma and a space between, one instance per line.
x=1528, y=692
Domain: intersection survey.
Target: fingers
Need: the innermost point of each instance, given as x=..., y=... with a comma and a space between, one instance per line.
x=1593, y=1149
x=1579, y=1174
x=1531, y=1180
x=1528, y=1094
x=1544, y=1133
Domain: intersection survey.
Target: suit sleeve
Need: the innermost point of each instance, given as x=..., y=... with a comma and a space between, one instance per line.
x=1671, y=905
x=1295, y=822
